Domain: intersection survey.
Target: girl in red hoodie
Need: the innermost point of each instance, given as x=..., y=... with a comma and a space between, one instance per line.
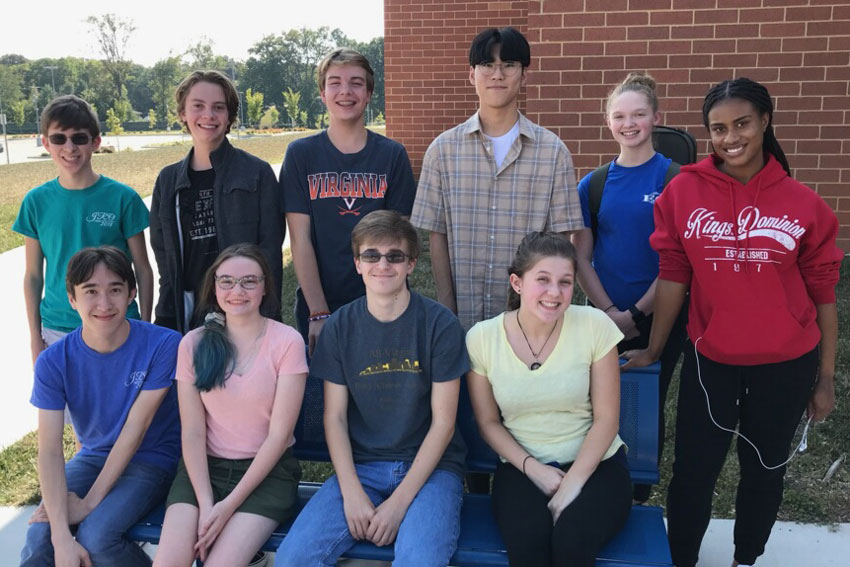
x=757, y=250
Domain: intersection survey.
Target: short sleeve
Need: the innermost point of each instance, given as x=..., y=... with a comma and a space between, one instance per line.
x=475, y=339
x=292, y=182
x=565, y=211
x=428, y=208
x=163, y=364
x=291, y=357
x=584, y=198
x=402, y=184
x=135, y=217
x=606, y=334
x=326, y=363
x=185, y=365
x=48, y=389
x=449, y=359
x=27, y=223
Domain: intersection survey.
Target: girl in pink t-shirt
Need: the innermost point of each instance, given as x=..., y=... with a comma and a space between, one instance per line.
x=240, y=382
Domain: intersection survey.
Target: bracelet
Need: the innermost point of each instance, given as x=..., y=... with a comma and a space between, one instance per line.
x=609, y=308
x=523, y=463
x=318, y=316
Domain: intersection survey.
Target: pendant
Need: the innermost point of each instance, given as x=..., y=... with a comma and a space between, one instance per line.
x=534, y=365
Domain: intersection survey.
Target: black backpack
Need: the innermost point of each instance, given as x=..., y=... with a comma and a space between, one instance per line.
x=673, y=143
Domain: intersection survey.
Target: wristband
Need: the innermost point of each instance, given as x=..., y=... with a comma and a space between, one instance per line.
x=638, y=316
x=609, y=308
x=523, y=464
x=318, y=316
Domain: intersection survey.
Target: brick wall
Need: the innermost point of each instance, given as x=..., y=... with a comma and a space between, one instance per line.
x=799, y=49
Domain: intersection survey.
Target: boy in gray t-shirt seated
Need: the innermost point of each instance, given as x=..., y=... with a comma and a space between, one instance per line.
x=391, y=362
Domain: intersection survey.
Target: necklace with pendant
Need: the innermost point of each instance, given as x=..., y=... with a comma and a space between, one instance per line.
x=536, y=364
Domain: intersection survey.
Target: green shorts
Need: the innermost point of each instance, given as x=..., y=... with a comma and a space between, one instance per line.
x=273, y=498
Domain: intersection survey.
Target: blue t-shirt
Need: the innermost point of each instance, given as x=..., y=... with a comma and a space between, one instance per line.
x=100, y=389
x=388, y=369
x=624, y=261
x=337, y=190
x=64, y=221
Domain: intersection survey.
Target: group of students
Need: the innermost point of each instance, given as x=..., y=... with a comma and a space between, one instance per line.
x=751, y=249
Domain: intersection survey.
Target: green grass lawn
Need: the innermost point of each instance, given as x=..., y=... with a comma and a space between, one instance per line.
x=807, y=497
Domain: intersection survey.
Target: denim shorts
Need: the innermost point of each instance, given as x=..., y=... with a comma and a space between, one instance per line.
x=275, y=497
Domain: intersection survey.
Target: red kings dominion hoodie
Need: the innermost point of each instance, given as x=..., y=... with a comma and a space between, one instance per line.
x=758, y=258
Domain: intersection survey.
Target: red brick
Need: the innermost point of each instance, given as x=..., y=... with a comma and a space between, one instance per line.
x=594, y=63
x=547, y=49
x=649, y=32
x=562, y=5
x=735, y=60
x=836, y=103
x=584, y=48
x=784, y=2
x=627, y=18
x=759, y=45
x=798, y=132
x=783, y=88
x=710, y=75
x=735, y=31
x=582, y=105
x=804, y=44
x=714, y=46
x=580, y=133
x=760, y=74
x=838, y=73
x=798, y=103
x=626, y=48
x=646, y=61
x=798, y=161
x=835, y=161
x=827, y=28
x=809, y=14
x=692, y=32
x=828, y=59
x=561, y=34
x=560, y=63
x=761, y=15
x=676, y=17
x=780, y=59
x=841, y=12
x=738, y=3
x=827, y=117
x=782, y=30
x=802, y=74
x=560, y=119
x=650, y=4
x=716, y=16
x=825, y=88
x=670, y=47
x=690, y=61
x=694, y=4
x=605, y=34
x=827, y=180
x=561, y=91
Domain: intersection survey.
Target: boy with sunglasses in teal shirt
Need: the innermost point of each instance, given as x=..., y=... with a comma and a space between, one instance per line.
x=78, y=208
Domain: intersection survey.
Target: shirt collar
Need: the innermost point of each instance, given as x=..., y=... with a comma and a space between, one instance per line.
x=526, y=127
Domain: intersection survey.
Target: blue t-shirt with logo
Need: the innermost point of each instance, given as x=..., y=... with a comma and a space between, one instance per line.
x=64, y=221
x=100, y=389
x=337, y=190
x=624, y=261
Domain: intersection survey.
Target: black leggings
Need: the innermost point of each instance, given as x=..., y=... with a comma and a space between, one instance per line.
x=766, y=403
x=594, y=517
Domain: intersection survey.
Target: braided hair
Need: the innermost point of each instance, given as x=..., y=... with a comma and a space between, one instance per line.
x=757, y=95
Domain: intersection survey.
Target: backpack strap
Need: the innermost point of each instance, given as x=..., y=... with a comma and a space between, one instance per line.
x=594, y=195
x=672, y=172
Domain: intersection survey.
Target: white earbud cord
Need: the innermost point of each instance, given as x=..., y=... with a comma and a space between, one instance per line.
x=800, y=448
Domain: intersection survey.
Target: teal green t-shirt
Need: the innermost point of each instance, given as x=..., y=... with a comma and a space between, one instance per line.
x=66, y=220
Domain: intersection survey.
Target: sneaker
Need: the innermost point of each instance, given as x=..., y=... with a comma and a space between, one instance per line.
x=259, y=560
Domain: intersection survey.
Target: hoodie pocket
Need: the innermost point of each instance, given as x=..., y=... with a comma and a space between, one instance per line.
x=748, y=335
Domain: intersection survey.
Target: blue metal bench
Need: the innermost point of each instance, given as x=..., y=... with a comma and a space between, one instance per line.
x=641, y=543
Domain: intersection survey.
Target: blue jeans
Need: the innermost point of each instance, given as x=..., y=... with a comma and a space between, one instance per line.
x=427, y=536
x=101, y=533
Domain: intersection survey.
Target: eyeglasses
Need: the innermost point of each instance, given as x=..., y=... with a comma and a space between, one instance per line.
x=373, y=256
x=78, y=139
x=247, y=282
x=509, y=68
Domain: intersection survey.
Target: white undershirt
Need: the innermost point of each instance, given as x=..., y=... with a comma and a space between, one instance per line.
x=502, y=144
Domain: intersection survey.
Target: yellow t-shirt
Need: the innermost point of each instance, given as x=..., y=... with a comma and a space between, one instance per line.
x=547, y=410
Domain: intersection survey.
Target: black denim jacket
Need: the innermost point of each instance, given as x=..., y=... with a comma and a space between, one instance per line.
x=246, y=206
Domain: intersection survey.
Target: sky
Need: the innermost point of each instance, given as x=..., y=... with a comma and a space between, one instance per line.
x=54, y=28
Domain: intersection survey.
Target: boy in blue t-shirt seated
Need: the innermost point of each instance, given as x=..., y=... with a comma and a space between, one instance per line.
x=115, y=376
x=391, y=362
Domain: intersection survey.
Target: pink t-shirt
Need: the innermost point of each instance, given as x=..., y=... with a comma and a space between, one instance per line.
x=238, y=414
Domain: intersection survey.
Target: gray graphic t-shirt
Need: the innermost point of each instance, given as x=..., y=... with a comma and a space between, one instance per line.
x=388, y=369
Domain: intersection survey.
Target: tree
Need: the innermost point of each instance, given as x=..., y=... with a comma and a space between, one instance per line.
x=165, y=76
x=151, y=119
x=270, y=118
x=374, y=52
x=19, y=115
x=291, y=103
x=113, y=33
x=10, y=85
x=254, y=107
x=113, y=124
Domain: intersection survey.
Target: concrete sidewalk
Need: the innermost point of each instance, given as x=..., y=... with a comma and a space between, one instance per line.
x=791, y=545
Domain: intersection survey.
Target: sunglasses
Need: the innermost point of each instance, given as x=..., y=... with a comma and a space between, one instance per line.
x=247, y=282
x=78, y=139
x=373, y=256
